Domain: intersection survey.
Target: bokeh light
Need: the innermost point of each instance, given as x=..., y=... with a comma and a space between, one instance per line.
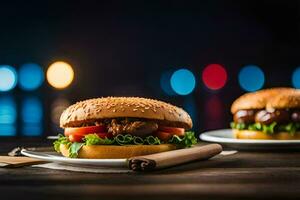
x=32, y=110
x=60, y=75
x=8, y=116
x=32, y=130
x=32, y=116
x=165, y=83
x=214, y=76
x=251, y=78
x=214, y=112
x=31, y=76
x=189, y=105
x=183, y=81
x=296, y=78
x=8, y=78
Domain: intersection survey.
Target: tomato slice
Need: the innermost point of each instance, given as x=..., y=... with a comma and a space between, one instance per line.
x=164, y=136
x=78, y=138
x=75, y=138
x=172, y=130
x=77, y=134
x=85, y=130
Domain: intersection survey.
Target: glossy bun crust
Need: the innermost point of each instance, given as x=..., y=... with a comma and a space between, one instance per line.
x=115, y=107
x=258, y=135
x=261, y=98
x=115, y=152
x=290, y=99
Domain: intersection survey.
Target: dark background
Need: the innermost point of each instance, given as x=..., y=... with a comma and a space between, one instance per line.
x=121, y=48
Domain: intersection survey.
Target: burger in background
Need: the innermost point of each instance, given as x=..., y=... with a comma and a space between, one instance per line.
x=122, y=127
x=267, y=114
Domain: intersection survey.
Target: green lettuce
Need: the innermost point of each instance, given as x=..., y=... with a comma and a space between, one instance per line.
x=74, y=149
x=61, y=140
x=152, y=140
x=94, y=139
x=188, y=140
x=272, y=128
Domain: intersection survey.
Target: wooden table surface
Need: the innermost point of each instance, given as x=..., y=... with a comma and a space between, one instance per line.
x=244, y=175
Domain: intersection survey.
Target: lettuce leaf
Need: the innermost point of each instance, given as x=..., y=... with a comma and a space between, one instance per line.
x=74, y=149
x=138, y=140
x=94, y=139
x=61, y=140
x=188, y=140
x=152, y=140
x=124, y=139
x=291, y=128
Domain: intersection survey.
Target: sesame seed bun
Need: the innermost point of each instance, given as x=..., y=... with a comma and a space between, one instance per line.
x=289, y=99
x=113, y=151
x=259, y=135
x=259, y=99
x=114, y=107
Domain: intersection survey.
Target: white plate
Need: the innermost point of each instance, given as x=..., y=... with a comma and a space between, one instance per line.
x=55, y=157
x=226, y=138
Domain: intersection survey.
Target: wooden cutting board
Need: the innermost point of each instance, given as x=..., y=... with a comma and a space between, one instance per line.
x=9, y=161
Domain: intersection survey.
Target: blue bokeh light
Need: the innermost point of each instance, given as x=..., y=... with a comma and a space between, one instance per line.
x=8, y=112
x=31, y=116
x=8, y=78
x=8, y=116
x=31, y=76
x=183, y=81
x=32, y=110
x=296, y=78
x=165, y=83
x=32, y=130
x=8, y=130
x=251, y=78
x=190, y=106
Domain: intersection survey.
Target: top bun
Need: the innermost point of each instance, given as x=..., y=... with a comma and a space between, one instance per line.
x=259, y=99
x=289, y=99
x=92, y=110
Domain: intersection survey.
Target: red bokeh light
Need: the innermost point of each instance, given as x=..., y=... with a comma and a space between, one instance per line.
x=214, y=76
x=214, y=109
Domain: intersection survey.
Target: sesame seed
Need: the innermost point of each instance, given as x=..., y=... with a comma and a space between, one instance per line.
x=134, y=110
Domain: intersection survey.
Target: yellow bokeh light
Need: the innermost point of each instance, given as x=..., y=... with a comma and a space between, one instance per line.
x=60, y=75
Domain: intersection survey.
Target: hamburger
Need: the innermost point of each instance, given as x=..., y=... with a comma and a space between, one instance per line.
x=267, y=114
x=123, y=127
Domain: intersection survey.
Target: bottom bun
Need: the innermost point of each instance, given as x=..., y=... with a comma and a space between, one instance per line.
x=114, y=151
x=259, y=135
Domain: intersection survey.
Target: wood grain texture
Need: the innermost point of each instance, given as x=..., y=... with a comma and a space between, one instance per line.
x=9, y=161
x=245, y=175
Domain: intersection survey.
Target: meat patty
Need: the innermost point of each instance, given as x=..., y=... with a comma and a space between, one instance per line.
x=244, y=116
x=137, y=128
x=280, y=116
